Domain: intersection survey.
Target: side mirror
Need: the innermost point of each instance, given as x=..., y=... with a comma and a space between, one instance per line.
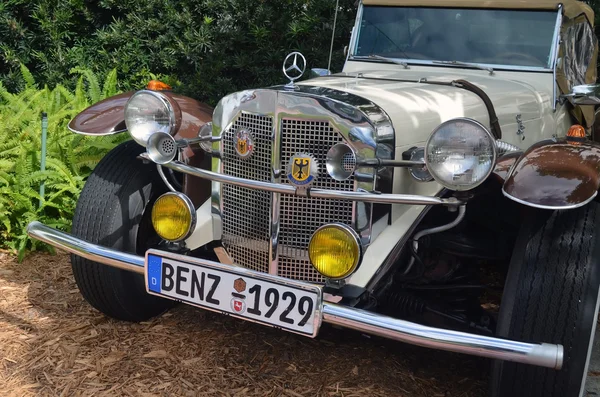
x=588, y=94
x=318, y=72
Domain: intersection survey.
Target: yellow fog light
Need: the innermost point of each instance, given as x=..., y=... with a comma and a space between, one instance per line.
x=173, y=216
x=335, y=250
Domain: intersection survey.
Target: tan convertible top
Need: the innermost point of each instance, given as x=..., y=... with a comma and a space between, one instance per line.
x=572, y=8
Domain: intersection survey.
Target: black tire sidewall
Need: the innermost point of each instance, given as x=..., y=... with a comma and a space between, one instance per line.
x=109, y=211
x=576, y=347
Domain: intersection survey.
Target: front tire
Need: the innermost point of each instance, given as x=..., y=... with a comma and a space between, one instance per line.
x=111, y=212
x=552, y=296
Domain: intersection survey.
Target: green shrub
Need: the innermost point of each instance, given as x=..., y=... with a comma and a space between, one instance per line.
x=70, y=157
x=213, y=47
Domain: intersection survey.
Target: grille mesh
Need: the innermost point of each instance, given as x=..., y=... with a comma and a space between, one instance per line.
x=247, y=212
x=349, y=162
x=301, y=216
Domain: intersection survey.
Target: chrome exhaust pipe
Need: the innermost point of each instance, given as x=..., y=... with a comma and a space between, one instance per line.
x=538, y=354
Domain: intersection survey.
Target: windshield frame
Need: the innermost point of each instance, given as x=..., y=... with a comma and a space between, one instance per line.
x=422, y=62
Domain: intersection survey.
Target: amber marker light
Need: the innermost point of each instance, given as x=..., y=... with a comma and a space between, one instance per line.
x=576, y=134
x=335, y=251
x=576, y=131
x=155, y=85
x=173, y=216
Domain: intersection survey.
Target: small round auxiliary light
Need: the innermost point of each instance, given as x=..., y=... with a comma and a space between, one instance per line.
x=335, y=251
x=340, y=162
x=173, y=216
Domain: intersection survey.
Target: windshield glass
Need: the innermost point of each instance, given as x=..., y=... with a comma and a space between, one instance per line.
x=484, y=36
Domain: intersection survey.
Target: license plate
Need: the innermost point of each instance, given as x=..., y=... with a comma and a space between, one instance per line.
x=263, y=298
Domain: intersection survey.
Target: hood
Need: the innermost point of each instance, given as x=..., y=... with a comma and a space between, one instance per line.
x=417, y=108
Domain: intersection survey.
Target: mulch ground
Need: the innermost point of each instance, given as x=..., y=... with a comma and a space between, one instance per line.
x=52, y=343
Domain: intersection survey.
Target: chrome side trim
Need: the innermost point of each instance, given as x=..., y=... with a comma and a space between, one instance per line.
x=539, y=354
x=554, y=55
x=364, y=197
x=549, y=207
x=355, y=33
x=89, y=134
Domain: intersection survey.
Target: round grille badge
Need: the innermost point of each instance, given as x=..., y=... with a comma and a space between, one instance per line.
x=244, y=143
x=302, y=170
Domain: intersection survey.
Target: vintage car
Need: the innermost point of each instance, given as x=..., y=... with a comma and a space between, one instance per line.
x=440, y=191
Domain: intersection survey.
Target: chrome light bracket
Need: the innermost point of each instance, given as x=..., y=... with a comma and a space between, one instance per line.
x=420, y=174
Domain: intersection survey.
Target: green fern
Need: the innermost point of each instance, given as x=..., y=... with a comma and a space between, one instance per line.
x=110, y=84
x=70, y=157
x=27, y=77
x=93, y=86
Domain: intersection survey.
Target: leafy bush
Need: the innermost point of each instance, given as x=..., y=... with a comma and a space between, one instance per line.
x=70, y=157
x=213, y=46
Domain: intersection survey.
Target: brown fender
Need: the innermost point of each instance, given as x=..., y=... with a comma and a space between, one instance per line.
x=504, y=165
x=555, y=174
x=108, y=117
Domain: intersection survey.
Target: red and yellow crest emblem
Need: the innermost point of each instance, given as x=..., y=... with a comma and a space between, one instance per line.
x=244, y=143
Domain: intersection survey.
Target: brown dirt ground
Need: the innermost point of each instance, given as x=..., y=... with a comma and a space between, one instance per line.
x=53, y=343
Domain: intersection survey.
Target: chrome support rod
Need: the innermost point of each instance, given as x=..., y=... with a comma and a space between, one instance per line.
x=543, y=355
x=391, y=163
x=164, y=178
x=317, y=193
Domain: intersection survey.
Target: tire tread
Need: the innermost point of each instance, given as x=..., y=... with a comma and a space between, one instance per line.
x=117, y=293
x=555, y=270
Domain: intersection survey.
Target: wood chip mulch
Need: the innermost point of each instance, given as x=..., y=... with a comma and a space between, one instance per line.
x=52, y=343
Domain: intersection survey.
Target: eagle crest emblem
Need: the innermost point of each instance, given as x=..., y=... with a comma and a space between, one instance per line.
x=302, y=169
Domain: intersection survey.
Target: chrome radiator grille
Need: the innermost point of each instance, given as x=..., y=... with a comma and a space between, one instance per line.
x=301, y=216
x=247, y=212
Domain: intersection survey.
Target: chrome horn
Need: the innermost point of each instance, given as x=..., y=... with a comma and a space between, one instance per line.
x=162, y=148
x=340, y=162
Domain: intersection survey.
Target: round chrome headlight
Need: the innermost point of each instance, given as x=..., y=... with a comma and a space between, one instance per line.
x=148, y=112
x=460, y=154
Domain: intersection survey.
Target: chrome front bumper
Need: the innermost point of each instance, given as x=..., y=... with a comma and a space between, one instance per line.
x=543, y=355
